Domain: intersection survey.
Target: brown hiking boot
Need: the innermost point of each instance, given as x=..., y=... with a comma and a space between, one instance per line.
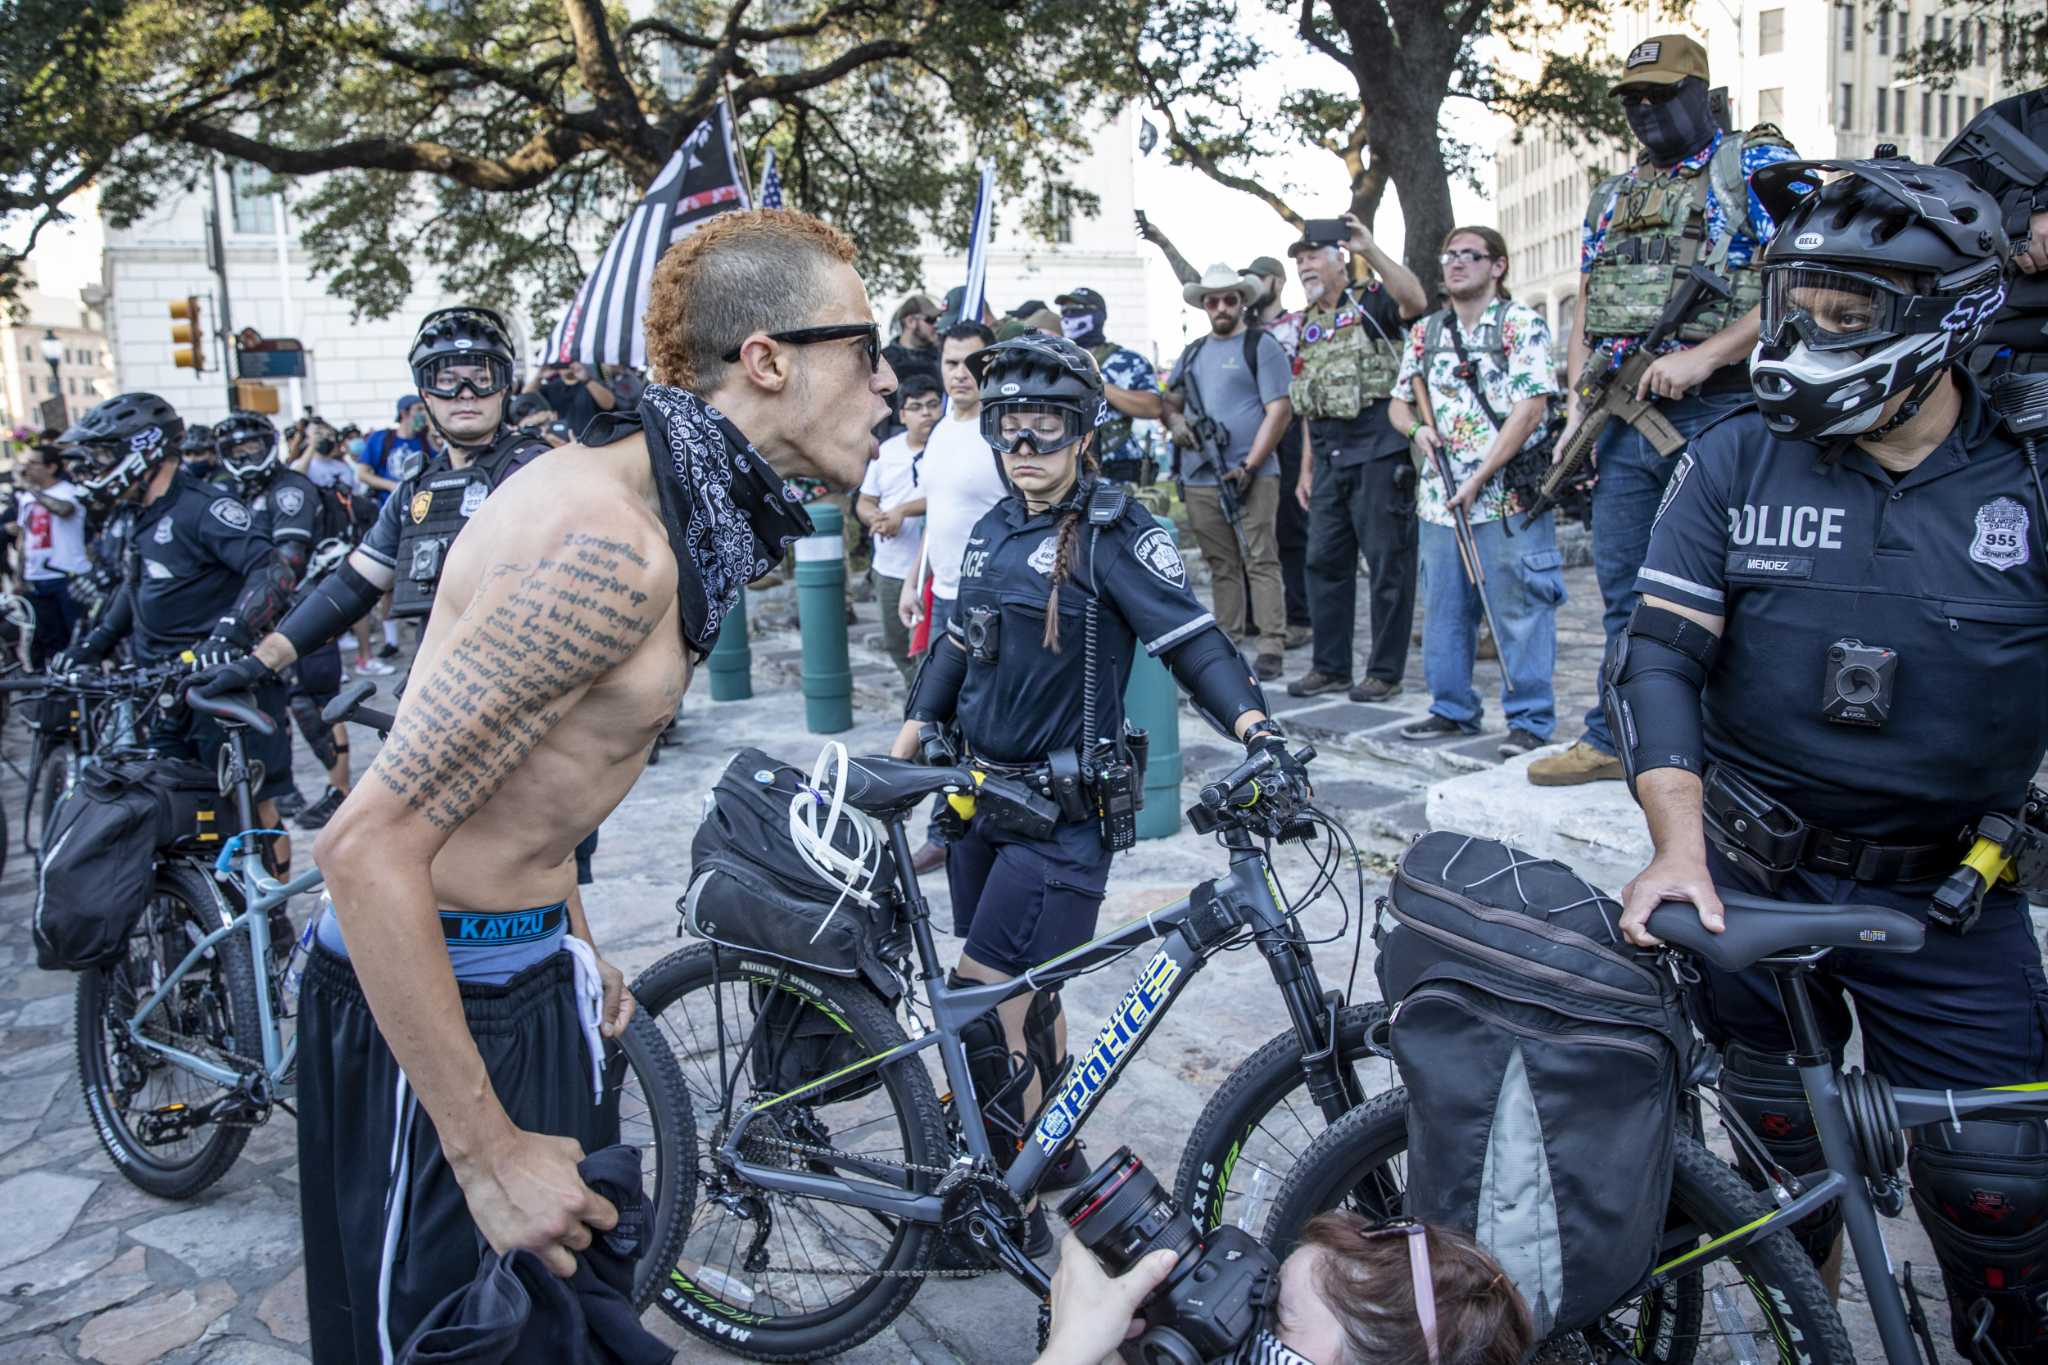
x=1315, y=682
x=1578, y=764
x=1375, y=689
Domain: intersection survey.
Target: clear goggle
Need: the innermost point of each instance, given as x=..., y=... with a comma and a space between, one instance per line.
x=1836, y=310
x=449, y=376
x=1045, y=427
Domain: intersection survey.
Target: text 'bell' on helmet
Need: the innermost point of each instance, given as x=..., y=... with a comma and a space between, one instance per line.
x=247, y=445
x=122, y=441
x=1036, y=387
x=1882, y=274
x=465, y=346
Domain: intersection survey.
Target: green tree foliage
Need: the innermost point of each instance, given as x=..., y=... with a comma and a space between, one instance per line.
x=2007, y=38
x=1394, y=64
x=488, y=136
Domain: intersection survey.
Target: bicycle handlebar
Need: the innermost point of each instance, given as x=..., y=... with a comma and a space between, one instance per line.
x=1219, y=794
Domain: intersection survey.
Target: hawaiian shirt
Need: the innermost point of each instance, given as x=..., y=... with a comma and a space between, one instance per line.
x=1127, y=369
x=1467, y=431
x=1752, y=236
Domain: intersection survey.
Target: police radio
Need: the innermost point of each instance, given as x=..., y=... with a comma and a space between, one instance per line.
x=1118, y=790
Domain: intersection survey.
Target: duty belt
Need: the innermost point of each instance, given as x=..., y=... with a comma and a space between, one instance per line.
x=1764, y=837
x=1059, y=777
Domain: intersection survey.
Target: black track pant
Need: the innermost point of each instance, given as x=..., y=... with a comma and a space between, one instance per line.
x=388, y=1235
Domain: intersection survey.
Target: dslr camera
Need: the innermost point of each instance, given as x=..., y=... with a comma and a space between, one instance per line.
x=1221, y=1288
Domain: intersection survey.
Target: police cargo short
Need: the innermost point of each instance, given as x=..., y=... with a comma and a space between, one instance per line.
x=1019, y=902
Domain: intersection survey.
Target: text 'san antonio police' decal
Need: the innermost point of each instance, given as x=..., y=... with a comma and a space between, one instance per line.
x=1156, y=551
x=231, y=513
x=2001, y=539
x=1132, y=1016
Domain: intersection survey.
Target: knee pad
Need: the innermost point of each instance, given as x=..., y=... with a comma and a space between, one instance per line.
x=1041, y=1036
x=1001, y=1079
x=1982, y=1195
x=1768, y=1096
x=318, y=734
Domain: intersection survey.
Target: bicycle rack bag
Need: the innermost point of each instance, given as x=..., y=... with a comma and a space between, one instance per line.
x=1542, y=1055
x=751, y=890
x=99, y=859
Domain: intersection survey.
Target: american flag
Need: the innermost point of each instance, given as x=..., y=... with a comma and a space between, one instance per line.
x=770, y=196
x=602, y=324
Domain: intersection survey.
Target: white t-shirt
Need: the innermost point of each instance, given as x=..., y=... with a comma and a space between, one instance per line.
x=960, y=482
x=891, y=482
x=53, y=546
x=331, y=472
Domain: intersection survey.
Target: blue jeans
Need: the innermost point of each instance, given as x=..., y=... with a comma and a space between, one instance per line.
x=1632, y=479
x=1525, y=584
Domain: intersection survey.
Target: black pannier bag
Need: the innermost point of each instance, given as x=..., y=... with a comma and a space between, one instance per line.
x=197, y=818
x=750, y=890
x=1542, y=1056
x=99, y=856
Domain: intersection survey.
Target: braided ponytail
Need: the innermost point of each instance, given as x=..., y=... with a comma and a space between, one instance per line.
x=1064, y=551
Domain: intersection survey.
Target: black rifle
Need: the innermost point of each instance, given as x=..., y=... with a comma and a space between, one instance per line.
x=1607, y=390
x=1212, y=444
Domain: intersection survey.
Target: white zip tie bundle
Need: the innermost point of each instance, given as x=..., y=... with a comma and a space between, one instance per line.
x=854, y=874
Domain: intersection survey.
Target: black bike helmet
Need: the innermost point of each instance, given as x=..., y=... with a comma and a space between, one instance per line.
x=464, y=335
x=122, y=441
x=247, y=444
x=1877, y=280
x=197, y=442
x=1033, y=376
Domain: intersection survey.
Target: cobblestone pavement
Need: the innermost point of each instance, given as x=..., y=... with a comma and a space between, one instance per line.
x=95, y=1270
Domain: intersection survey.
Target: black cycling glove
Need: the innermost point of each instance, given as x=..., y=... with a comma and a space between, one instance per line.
x=234, y=675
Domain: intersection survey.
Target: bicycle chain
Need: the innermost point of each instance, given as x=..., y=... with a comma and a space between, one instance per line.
x=914, y=1168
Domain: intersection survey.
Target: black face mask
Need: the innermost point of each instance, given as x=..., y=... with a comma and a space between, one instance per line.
x=1675, y=128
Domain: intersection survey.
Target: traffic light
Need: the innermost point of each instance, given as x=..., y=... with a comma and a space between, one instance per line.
x=188, y=329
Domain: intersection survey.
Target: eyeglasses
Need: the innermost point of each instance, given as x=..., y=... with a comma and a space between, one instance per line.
x=1465, y=254
x=1418, y=1270
x=841, y=331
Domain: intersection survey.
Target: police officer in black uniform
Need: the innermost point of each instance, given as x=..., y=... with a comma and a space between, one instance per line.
x=299, y=517
x=2003, y=151
x=462, y=362
x=1839, y=663
x=201, y=460
x=203, y=577
x=1063, y=582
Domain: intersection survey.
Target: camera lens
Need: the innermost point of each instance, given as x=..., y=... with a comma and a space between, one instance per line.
x=1857, y=684
x=1120, y=1213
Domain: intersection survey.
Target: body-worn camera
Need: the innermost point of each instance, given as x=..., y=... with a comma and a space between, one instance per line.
x=983, y=627
x=1857, y=684
x=1220, y=1289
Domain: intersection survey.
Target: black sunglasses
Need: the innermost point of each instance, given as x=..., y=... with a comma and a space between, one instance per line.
x=842, y=331
x=1652, y=94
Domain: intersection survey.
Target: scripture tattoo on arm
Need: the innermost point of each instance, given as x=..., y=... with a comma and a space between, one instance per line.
x=534, y=634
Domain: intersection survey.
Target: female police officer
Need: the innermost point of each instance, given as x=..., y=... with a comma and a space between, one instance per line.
x=1061, y=583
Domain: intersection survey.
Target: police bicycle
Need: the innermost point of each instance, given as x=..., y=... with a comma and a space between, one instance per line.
x=185, y=1043
x=69, y=717
x=822, y=1207
x=1731, y=1282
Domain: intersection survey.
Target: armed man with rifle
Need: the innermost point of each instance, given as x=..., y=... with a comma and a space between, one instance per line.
x=1227, y=408
x=1682, y=337
x=1474, y=383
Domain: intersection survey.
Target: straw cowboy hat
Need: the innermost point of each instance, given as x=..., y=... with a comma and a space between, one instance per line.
x=1217, y=279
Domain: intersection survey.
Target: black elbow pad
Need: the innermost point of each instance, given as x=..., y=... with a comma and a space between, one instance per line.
x=935, y=691
x=1650, y=687
x=336, y=602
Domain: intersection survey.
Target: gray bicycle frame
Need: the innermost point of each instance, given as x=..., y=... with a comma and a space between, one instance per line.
x=1844, y=1179
x=260, y=893
x=1245, y=888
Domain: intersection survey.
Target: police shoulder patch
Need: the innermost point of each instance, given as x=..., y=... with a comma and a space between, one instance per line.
x=1156, y=551
x=290, y=500
x=230, y=513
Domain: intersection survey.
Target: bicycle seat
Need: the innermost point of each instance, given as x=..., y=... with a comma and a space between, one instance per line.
x=236, y=708
x=1758, y=927
x=887, y=786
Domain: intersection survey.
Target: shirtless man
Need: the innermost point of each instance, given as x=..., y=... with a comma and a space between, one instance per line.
x=562, y=637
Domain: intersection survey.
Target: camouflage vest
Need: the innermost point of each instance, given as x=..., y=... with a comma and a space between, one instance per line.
x=1638, y=267
x=1111, y=435
x=1345, y=364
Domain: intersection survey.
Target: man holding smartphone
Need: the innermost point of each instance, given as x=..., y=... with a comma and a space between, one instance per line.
x=575, y=394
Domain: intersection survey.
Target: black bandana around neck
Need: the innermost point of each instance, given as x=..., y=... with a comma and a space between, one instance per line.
x=729, y=516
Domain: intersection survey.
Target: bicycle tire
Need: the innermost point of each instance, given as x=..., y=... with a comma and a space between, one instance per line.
x=1707, y=1196
x=718, y=1306
x=105, y=996
x=1263, y=1103
x=55, y=767
x=672, y=1191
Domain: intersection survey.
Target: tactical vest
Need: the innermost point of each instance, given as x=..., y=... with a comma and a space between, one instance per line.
x=1111, y=435
x=437, y=506
x=1640, y=260
x=1345, y=363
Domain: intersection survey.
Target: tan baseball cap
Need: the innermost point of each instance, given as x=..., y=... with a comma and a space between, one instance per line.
x=1665, y=59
